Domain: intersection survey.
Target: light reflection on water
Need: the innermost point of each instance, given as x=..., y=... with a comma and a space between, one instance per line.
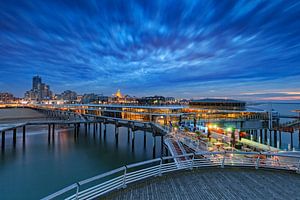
x=38, y=168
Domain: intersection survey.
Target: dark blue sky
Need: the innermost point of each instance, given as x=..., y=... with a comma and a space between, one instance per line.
x=236, y=49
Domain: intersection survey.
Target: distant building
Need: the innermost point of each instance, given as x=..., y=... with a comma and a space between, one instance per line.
x=69, y=95
x=218, y=104
x=6, y=97
x=90, y=98
x=40, y=91
x=170, y=100
x=119, y=98
x=36, y=82
x=152, y=100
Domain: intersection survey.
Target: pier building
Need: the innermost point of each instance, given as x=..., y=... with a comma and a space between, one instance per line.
x=218, y=104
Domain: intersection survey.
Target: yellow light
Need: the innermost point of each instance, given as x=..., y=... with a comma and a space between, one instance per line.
x=229, y=129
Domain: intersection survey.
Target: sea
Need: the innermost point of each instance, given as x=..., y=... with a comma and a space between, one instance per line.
x=37, y=168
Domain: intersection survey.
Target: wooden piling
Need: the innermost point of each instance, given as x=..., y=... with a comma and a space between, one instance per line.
x=162, y=146
x=100, y=129
x=117, y=134
x=14, y=136
x=53, y=131
x=78, y=129
x=292, y=145
x=104, y=131
x=94, y=127
x=3, y=140
x=145, y=137
x=132, y=140
x=24, y=133
x=299, y=135
x=266, y=136
x=49, y=132
x=128, y=135
x=85, y=128
x=154, y=147
x=279, y=139
x=275, y=138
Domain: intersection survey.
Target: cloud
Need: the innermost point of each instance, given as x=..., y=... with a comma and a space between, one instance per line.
x=151, y=47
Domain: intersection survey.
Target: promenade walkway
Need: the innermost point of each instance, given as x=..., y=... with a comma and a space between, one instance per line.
x=232, y=183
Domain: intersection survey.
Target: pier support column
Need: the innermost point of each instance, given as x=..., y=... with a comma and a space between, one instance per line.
x=116, y=134
x=145, y=137
x=49, y=132
x=261, y=135
x=24, y=133
x=3, y=140
x=255, y=135
x=100, y=129
x=14, y=136
x=154, y=147
x=128, y=135
x=266, y=136
x=132, y=140
x=78, y=127
x=53, y=131
x=94, y=129
x=85, y=128
x=275, y=138
x=162, y=146
x=75, y=130
x=270, y=133
x=104, y=131
x=279, y=139
x=299, y=136
x=292, y=145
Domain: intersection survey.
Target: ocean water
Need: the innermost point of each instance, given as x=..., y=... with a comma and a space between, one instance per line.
x=285, y=109
x=38, y=168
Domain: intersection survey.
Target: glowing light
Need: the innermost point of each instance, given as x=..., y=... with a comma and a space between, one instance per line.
x=229, y=129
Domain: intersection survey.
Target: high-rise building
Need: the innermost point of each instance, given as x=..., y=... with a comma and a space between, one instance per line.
x=36, y=82
x=40, y=91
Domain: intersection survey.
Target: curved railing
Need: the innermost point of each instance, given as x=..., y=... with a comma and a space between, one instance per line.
x=121, y=177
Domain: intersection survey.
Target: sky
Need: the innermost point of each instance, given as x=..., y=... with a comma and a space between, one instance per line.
x=187, y=49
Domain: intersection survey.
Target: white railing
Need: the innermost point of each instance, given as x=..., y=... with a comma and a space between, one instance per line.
x=119, y=178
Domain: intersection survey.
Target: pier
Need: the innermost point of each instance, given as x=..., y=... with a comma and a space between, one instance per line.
x=76, y=121
x=232, y=174
x=207, y=184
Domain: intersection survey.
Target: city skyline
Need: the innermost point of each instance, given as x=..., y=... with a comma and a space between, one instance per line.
x=192, y=49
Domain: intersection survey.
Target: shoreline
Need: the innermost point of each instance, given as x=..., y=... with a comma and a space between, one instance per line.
x=19, y=115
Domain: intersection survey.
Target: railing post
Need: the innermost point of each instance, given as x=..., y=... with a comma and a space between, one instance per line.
x=124, y=177
x=77, y=190
x=298, y=170
x=160, y=165
x=192, y=164
x=223, y=160
x=257, y=163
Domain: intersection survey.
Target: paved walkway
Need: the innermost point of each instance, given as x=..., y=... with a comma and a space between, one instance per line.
x=215, y=184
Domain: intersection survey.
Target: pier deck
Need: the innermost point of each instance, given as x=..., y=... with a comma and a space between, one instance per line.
x=216, y=184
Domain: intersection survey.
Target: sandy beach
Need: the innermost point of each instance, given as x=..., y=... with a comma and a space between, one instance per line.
x=19, y=115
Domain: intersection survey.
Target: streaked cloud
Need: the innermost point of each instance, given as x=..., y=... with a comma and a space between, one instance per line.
x=182, y=49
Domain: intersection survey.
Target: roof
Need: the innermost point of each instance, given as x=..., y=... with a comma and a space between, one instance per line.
x=216, y=101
